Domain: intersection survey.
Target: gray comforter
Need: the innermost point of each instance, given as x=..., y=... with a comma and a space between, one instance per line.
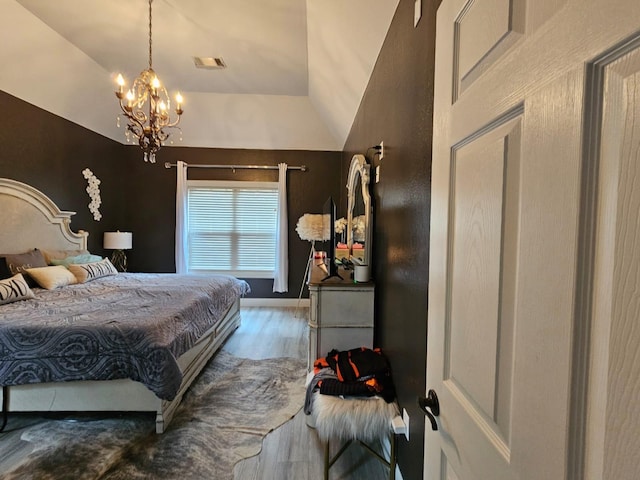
x=124, y=326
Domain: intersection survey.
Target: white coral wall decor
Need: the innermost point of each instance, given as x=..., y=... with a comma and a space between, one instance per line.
x=93, y=189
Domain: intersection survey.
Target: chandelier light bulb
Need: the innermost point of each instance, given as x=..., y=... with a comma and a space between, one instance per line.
x=130, y=98
x=120, y=81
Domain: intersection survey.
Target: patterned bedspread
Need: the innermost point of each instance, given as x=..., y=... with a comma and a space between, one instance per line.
x=124, y=326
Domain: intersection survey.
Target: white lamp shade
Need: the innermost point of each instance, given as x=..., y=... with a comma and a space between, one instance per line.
x=117, y=240
x=313, y=227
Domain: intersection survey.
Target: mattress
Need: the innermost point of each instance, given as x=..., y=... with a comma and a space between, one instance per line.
x=131, y=325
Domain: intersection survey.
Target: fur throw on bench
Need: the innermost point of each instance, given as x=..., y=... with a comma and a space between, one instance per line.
x=352, y=418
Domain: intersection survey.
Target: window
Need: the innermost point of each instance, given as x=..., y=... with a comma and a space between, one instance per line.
x=231, y=227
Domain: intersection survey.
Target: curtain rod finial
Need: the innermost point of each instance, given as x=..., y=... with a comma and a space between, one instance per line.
x=167, y=165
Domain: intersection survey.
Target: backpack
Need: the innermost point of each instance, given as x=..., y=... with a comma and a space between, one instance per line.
x=360, y=371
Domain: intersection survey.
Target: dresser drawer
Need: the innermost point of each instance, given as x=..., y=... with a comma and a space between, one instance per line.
x=313, y=348
x=345, y=308
x=313, y=308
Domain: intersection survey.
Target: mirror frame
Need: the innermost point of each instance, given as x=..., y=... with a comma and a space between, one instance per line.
x=359, y=171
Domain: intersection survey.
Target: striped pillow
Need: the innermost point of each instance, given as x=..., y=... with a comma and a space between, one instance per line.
x=85, y=272
x=14, y=289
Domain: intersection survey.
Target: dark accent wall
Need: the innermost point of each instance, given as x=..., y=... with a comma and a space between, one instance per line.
x=150, y=209
x=397, y=108
x=50, y=153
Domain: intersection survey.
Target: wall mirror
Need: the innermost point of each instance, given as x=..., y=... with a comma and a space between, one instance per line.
x=359, y=211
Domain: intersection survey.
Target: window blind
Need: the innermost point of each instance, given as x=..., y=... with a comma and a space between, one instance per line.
x=232, y=227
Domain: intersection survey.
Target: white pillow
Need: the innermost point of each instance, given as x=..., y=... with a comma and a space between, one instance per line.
x=14, y=289
x=85, y=272
x=52, y=277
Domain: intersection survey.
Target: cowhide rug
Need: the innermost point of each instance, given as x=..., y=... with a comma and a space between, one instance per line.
x=223, y=418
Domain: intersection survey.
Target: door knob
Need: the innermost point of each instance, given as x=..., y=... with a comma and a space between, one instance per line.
x=431, y=407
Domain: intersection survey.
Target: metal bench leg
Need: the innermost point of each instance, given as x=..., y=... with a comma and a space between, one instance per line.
x=392, y=459
x=326, y=461
x=329, y=463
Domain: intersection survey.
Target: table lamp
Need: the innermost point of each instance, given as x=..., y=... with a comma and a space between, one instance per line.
x=118, y=242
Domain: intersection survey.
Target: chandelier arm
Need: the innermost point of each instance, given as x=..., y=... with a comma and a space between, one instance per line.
x=135, y=129
x=134, y=115
x=176, y=122
x=140, y=117
x=162, y=136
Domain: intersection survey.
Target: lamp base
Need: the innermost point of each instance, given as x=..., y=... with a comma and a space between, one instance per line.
x=119, y=260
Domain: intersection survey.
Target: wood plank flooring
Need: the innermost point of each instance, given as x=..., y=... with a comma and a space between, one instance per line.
x=292, y=451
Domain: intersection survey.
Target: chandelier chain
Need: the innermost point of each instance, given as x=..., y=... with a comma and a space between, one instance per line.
x=150, y=56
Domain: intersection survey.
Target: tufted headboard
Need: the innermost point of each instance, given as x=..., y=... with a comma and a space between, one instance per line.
x=29, y=219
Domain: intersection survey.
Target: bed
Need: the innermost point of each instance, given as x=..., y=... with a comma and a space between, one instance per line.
x=120, y=342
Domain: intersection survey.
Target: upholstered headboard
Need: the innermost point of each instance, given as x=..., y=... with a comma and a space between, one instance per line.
x=29, y=219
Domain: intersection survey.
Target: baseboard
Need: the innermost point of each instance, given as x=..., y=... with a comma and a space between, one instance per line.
x=274, y=302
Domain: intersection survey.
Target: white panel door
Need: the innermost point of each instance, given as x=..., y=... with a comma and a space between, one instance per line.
x=613, y=440
x=513, y=193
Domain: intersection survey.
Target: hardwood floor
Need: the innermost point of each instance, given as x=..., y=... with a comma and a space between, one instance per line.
x=12, y=448
x=292, y=451
x=269, y=333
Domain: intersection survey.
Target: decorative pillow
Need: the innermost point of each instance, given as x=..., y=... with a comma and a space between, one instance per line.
x=50, y=255
x=90, y=271
x=20, y=262
x=52, y=277
x=14, y=289
x=82, y=258
x=4, y=270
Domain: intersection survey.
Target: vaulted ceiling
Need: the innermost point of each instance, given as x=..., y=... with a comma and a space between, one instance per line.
x=296, y=69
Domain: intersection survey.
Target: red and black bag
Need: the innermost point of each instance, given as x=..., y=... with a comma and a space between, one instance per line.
x=360, y=370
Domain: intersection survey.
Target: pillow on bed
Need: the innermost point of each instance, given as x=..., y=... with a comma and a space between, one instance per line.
x=4, y=270
x=52, y=277
x=50, y=255
x=82, y=258
x=19, y=263
x=14, y=289
x=90, y=271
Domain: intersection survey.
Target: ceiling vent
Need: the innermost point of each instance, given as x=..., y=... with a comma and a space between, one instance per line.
x=211, y=63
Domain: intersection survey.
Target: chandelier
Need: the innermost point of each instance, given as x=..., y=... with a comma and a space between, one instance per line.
x=147, y=107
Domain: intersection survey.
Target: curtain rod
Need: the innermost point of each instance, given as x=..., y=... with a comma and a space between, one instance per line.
x=234, y=167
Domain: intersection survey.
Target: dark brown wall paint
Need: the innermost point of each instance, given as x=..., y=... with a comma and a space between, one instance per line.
x=150, y=210
x=397, y=109
x=49, y=153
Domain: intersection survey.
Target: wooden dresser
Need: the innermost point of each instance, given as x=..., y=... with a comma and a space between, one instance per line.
x=341, y=315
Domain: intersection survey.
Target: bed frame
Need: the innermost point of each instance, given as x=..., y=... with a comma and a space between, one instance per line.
x=31, y=219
